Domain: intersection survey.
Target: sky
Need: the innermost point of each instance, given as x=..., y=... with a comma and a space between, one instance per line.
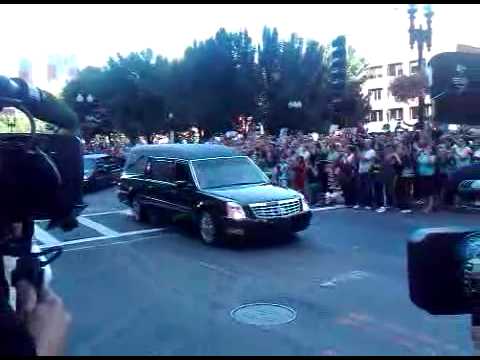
x=93, y=32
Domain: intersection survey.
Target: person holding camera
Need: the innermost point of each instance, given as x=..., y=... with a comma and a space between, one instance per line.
x=39, y=323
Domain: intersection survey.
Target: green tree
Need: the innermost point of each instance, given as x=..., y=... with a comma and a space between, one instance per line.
x=216, y=81
x=292, y=72
x=131, y=92
x=94, y=117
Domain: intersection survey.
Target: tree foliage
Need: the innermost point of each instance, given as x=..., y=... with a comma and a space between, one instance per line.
x=215, y=82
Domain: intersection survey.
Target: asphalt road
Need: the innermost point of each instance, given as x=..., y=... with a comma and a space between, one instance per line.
x=140, y=289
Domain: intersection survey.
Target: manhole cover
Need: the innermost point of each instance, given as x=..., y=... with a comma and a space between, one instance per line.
x=263, y=314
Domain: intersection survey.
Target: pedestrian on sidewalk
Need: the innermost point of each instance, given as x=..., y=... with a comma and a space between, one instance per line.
x=345, y=170
x=390, y=175
x=313, y=181
x=406, y=174
x=299, y=173
x=378, y=176
x=426, y=170
x=365, y=181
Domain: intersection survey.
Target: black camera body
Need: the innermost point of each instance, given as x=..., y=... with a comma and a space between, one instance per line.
x=439, y=264
x=41, y=176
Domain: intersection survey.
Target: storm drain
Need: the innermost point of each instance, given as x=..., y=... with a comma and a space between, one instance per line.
x=263, y=314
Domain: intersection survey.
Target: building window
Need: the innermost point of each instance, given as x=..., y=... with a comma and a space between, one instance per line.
x=376, y=115
x=374, y=72
x=395, y=69
x=375, y=94
x=395, y=114
x=413, y=67
x=428, y=110
x=414, y=112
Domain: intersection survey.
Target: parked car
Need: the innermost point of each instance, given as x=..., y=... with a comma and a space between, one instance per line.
x=100, y=171
x=224, y=192
x=465, y=183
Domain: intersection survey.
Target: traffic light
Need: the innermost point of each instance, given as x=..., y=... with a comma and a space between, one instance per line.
x=338, y=67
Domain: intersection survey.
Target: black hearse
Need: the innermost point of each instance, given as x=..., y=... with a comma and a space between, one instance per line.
x=225, y=192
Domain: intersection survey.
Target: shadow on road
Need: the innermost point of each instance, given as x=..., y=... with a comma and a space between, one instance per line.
x=185, y=227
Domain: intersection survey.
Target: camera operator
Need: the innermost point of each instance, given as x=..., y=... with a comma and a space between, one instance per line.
x=39, y=323
x=40, y=178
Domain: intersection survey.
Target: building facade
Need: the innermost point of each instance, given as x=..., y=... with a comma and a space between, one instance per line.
x=51, y=73
x=385, y=109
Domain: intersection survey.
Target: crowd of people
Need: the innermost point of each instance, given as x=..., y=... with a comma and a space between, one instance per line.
x=376, y=172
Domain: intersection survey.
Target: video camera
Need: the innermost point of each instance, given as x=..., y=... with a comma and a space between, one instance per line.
x=444, y=273
x=40, y=175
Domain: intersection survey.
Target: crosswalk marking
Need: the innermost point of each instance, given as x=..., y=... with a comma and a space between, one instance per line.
x=98, y=238
x=102, y=229
x=45, y=238
x=126, y=212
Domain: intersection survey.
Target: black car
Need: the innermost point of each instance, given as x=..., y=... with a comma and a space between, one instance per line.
x=100, y=170
x=465, y=184
x=225, y=192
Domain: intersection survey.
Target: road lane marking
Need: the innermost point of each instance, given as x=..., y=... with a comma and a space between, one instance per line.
x=102, y=229
x=342, y=278
x=335, y=207
x=125, y=211
x=45, y=237
x=216, y=268
x=98, y=238
x=112, y=243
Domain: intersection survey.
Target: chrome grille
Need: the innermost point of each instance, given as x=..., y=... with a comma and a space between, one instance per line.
x=275, y=209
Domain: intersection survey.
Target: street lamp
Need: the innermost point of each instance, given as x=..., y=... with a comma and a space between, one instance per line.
x=422, y=37
x=82, y=99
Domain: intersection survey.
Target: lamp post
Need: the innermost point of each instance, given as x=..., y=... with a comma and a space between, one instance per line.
x=422, y=37
x=84, y=106
x=84, y=103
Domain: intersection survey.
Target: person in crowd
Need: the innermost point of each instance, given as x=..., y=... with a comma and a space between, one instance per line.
x=426, y=161
x=345, y=170
x=378, y=179
x=365, y=182
x=391, y=165
x=299, y=174
x=462, y=153
x=406, y=172
x=446, y=165
x=282, y=172
x=313, y=180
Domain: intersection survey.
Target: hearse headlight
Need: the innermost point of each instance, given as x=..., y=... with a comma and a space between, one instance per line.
x=235, y=211
x=305, y=206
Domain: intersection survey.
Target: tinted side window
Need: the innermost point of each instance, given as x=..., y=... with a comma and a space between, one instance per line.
x=139, y=166
x=183, y=173
x=136, y=166
x=99, y=163
x=163, y=171
x=112, y=162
